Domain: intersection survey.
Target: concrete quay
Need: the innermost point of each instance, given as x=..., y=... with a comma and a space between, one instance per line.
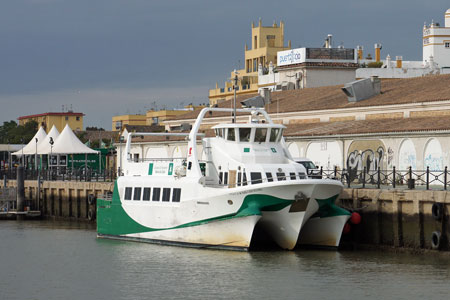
x=415, y=219
x=64, y=199
x=390, y=217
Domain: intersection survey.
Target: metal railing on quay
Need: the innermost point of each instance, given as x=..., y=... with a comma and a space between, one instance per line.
x=392, y=178
x=62, y=174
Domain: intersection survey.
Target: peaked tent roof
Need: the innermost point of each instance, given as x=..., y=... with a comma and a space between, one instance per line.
x=30, y=148
x=44, y=146
x=68, y=143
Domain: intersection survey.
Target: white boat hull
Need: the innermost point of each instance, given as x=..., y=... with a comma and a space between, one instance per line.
x=233, y=234
x=323, y=232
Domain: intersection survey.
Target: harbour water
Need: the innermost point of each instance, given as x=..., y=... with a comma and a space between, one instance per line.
x=60, y=260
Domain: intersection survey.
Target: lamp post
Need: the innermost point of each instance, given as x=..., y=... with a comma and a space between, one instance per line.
x=120, y=153
x=51, y=155
x=23, y=159
x=235, y=81
x=35, y=155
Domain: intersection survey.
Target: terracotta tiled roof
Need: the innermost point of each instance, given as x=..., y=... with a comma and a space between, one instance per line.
x=144, y=128
x=100, y=134
x=393, y=91
x=406, y=125
x=51, y=114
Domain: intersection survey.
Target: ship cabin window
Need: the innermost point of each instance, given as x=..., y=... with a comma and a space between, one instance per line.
x=239, y=179
x=176, y=195
x=166, y=194
x=219, y=132
x=255, y=177
x=156, y=194
x=137, y=193
x=146, y=195
x=220, y=177
x=260, y=135
x=275, y=135
x=231, y=135
x=281, y=176
x=128, y=192
x=244, y=134
x=225, y=178
x=136, y=157
x=269, y=177
x=244, y=179
x=292, y=175
x=301, y=175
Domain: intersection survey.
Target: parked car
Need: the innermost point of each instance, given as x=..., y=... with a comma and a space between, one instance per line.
x=311, y=169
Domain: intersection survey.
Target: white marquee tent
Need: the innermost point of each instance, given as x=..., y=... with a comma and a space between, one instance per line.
x=68, y=143
x=44, y=147
x=30, y=148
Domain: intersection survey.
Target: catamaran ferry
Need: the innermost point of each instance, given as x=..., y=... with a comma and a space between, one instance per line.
x=246, y=178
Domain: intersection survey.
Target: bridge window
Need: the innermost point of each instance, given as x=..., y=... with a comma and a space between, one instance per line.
x=128, y=192
x=156, y=194
x=146, y=195
x=274, y=134
x=260, y=135
x=137, y=193
x=255, y=177
x=231, y=135
x=244, y=134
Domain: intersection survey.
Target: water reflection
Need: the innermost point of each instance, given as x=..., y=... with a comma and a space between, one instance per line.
x=66, y=261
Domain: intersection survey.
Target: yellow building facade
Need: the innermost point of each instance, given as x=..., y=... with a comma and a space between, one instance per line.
x=59, y=119
x=265, y=43
x=152, y=117
x=118, y=122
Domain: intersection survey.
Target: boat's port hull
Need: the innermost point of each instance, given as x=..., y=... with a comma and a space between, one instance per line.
x=229, y=234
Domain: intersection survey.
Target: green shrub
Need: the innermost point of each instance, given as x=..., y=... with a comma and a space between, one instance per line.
x=375, y=64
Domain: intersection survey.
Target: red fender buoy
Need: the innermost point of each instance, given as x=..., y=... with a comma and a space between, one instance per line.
x=355, y=218
x=347, y=228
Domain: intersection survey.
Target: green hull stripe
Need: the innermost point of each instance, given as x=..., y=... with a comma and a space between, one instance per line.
x=327, y=208
x=113, y=220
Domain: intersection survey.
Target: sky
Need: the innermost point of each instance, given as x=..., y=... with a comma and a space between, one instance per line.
x=113, y=57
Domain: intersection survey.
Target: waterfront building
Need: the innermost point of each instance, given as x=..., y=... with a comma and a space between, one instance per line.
x=407, y=124
x=265, y=43
x=119, y=122
x=310, y=67
x=58, y=119
x=154, y=117
x=435, y=56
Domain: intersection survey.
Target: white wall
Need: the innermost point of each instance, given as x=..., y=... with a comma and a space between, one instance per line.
x=326, y=154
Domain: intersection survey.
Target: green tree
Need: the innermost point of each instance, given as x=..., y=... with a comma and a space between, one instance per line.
x=11, y=133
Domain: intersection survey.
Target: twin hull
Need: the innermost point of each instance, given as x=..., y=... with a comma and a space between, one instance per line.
x=213, y=217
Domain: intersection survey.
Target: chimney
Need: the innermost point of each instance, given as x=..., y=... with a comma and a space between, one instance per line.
x=399, y=60
x=360, y=49
x=377, y=52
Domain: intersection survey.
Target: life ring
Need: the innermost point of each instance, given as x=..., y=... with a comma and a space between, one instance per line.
x=436, y=240
x=91, y=215
x=437, y=210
